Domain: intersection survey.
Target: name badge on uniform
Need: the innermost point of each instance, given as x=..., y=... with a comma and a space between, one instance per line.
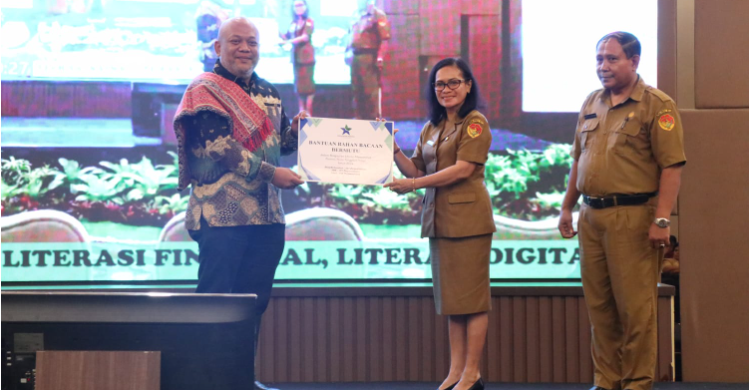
x=589, y=116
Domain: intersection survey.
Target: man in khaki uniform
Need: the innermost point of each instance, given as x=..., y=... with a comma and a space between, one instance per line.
x=628, y=157
x=369, y=34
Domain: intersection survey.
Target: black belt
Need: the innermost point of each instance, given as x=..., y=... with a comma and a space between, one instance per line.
x=617, y=200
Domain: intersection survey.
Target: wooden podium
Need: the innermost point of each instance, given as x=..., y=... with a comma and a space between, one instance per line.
x=96, y=370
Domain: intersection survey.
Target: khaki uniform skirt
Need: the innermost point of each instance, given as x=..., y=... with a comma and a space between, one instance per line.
x=303, y=79
x=461, y=274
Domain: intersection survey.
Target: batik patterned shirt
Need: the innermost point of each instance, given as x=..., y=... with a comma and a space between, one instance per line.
x=230, y=185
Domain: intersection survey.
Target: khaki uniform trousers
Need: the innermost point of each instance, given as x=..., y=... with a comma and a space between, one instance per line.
x=620, y=271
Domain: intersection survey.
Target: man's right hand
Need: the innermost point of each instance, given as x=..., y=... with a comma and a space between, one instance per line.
x=566, y=224
x=286, y=178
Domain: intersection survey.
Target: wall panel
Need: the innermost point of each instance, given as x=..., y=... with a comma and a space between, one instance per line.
x=373, y=335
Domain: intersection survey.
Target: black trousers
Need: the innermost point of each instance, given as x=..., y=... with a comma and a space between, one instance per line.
x=240, y=260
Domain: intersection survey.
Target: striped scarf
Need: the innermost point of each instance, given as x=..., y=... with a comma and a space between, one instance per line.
x=210, y=92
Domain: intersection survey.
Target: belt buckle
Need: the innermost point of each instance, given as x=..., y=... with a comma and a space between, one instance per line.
x=602, y=202
x=596, y=202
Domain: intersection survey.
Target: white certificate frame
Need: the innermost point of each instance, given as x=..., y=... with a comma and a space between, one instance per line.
x=346, y=151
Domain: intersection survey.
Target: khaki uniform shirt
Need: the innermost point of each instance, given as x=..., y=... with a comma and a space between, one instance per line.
x=304, y=52
x=370, y=30
x=462, y=209
x=623, y=149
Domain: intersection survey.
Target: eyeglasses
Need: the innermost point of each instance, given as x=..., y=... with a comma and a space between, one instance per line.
x=451, y=84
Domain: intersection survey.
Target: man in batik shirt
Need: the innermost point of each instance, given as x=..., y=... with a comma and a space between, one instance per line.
x=231, y=131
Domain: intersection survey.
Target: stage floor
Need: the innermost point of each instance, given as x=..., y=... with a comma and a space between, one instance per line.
x=498, y=386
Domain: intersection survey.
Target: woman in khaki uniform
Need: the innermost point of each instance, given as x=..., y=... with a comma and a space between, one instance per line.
x=303, y=54
x=456, y=212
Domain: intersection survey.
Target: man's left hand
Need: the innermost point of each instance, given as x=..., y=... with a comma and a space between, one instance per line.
x=295, y=121
x=659, y=237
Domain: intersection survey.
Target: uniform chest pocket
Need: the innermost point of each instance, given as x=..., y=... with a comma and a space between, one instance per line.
x=629, y=137
x=588, y=131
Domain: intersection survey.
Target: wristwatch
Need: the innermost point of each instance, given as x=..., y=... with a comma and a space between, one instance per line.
x=662, y=222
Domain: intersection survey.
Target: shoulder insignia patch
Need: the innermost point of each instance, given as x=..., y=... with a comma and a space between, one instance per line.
x=666, y=122
x=474, y=130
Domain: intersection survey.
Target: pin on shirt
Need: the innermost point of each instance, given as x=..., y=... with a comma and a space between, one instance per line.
x=625, y=122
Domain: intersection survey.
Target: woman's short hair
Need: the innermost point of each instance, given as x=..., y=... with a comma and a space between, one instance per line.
x=473, y=99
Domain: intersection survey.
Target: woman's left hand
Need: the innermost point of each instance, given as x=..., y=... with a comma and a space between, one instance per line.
x=401, y=186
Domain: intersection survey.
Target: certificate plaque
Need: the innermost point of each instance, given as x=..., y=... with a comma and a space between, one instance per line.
x=345, y=151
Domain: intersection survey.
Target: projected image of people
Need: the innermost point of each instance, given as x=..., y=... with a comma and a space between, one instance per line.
x=209, y=16
x=299, y=36
x=99, y=150
x=369, y=34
